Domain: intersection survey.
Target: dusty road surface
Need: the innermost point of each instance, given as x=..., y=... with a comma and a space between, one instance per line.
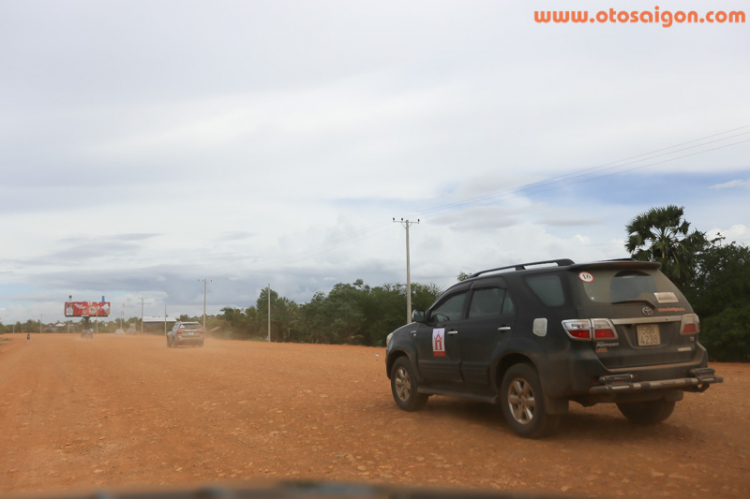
x=85, y=414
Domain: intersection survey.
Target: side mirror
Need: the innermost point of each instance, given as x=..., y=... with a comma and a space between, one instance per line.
x=417, y=315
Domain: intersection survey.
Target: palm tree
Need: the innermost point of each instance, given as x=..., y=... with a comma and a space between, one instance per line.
x=662, y=235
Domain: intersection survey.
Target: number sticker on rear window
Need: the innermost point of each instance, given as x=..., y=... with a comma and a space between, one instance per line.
x=586, y=277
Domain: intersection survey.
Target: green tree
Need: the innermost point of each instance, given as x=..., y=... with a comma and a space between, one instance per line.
x=283, y=315
x=720, y=295
x=424, y=295
x=722, y=279
x=235, y=322
x=343, y=319
x=385, y=310
x=350, y=313
x=725, y=335
x=662, y=235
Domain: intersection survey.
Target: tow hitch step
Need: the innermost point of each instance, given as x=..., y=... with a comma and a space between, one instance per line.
x=699, y=381
x=605, y=380
x=705, y=375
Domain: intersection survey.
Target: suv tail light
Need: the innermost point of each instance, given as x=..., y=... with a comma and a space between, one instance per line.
x=603, y=330
x=578, y=329
x=590, y=329
x=691, y=324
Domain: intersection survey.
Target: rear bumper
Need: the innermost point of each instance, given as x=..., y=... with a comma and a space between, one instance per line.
x=623, y=383
x=188, y=340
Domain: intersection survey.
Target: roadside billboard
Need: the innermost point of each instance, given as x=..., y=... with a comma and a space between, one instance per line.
x=86, y=309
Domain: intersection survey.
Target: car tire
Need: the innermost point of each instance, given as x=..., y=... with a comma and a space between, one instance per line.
x=522, y=401
x=404, y=386
x=650, y=412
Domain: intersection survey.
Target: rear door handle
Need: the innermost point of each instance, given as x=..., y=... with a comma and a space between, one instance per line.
x=504, y=328
x=453, y=332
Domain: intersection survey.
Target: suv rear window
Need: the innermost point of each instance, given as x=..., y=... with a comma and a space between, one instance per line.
x=548, y=288
x=608, y=286
x=194, y=325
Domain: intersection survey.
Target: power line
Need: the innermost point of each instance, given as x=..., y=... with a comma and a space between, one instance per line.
x=590, y=171
x=578, y=176
x=639, y=167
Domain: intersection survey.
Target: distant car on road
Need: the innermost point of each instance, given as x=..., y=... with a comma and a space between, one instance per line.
x=119, y=332
x=131, y=331
x=87, y=333
x=186, y=333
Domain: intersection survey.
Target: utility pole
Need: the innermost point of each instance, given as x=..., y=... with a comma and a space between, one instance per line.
x=165, y=319
x=205, y=285
x=406, y=224
x=268, y=295
x=141, y=314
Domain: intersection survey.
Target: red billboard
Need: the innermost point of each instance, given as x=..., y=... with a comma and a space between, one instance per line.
x=86, y=308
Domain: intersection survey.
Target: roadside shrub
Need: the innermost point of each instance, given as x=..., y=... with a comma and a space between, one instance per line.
x=727, y=335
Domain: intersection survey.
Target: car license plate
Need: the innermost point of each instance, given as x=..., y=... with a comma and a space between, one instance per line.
x=648, y=335
x=189, y=333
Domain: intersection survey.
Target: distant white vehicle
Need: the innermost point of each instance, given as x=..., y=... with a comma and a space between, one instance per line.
x=120, y=331
x=186, y=333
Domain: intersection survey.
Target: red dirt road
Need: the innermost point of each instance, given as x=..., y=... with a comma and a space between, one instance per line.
x=80, y=414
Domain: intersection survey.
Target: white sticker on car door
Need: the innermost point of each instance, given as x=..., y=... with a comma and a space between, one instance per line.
x=438, y=342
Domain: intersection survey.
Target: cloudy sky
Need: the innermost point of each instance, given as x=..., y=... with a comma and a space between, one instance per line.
x=146, y=145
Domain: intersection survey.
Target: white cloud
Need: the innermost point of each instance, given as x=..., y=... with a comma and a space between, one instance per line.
x=277, y=145
x=744, y=184
x=736, y=233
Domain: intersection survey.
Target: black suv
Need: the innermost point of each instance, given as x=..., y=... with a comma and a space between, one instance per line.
x=537, y=335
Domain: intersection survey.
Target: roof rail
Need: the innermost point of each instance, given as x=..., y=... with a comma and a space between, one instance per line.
x=522, y=266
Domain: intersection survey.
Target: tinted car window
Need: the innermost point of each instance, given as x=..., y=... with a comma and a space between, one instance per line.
x=548, y=288
x=508, y=306
x=190, y=326
x=450, y=309
x=485, y=302
x=629, y=285
x=613, y=286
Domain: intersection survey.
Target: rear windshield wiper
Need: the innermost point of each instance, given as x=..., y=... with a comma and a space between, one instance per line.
x=635, y=300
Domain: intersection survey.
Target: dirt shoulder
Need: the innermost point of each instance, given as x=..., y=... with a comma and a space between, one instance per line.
x=115, y=412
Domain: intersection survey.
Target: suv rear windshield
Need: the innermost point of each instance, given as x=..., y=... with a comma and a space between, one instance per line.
x=612, y=286
x=194, y=325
